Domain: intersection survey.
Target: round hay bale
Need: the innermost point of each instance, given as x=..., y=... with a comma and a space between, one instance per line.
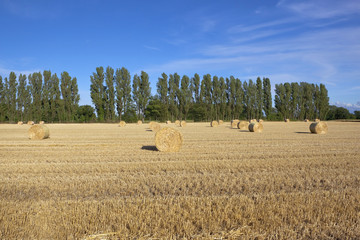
x=168, y=140
x=214, y=124
x=41, y=122
x=154, y=126
x=30, y=123
x=122, y=124
x=177, y=123
x=221, y=122
x=183, y=123
x=319, y=128
x=243, y=125
x=261, y=121
x=287, y=120
x=139, y=122
x=38, y=132
x=306, y=120
x=317, y=120
x=256, y=127
x=252, y=120
x=20, y=123
x=168, y=122
x=234, y=123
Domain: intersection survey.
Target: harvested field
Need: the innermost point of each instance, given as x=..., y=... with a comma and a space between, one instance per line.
x=102, y=180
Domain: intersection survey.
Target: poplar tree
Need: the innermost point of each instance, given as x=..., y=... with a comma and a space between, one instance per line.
x=267, y=106
x=162, y=90
x=21, y=96
x=123, y=90
x=232, y=96
x=110, y=94
x=35, y=82
x=12, y=97
x=185, y=100
x=323, y=102
x=280, y=99
x=55, y=99
x=75, y=98
x=65, y=86
x=136, y=94
x=259, y=98
x=215, y=93
x=2, y=101
x=145, y=92
x=172, y=97
x=222, y=98
x=294, y=100
x=97, y=92
x=195, y=87
x=239, y=96
x=207, y=96
x=46, y=97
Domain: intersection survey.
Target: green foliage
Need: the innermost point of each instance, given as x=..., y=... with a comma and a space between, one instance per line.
x=123, y=90
x=357, y=114
x=85, y=114
x=338, y=113
x=109, y=95
x=153, y=109
x=97, y=92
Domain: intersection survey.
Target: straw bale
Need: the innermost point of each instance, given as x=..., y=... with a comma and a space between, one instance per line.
x=287, y=120
x=214, y=124
x=234, y=123
x=122, y=124
x=243, y=125
x=139, y=122
x=261, y=121
x=183, y=123
x=168, y=122
x=20, y=123
x=155, y=126
x=256, y=127
x=177, y=123
x=306, y=120
x=41, y=122
x=317, y=120
x=221, y=122
x=319, y=128
x=168, y=140
x=30, y=123
x=38, y=132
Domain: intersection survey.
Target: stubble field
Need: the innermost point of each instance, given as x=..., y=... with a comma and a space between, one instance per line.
x=100, y=181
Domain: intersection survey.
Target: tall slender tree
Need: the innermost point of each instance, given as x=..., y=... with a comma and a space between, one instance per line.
x=162, y=90
x=2, y=101
x=323, y=102
x=97, y=92
x=137, y=94
x=223, y=98
x=185, y=100
x=267, y=106
x=215, y=93
x=195, y=86
x=21, y=94
x=123, y=90
x=35, y=82
x=55, y=102
x=259, y=98
x=65, y=86
x=239, y=96
x=75, y=98
x=12, y=96
x=145, y=92
x=110, y=94
x=46, y=97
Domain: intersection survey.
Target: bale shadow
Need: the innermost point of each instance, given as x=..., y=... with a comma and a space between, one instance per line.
x=149, y=148
x=149, y=130
x=303, y=132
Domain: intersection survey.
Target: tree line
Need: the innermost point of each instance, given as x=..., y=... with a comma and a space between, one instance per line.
x=118, y=96
x=39, y=96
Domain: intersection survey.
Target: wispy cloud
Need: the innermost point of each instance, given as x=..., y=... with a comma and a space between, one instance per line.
x=351, y=106
x=321, y=9
x=4, y=72
x=248, y=28
x=152, y=48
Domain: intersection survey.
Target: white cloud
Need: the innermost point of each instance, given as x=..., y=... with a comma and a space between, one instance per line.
x=350, y=106
x=322, y=9
x=5, y=72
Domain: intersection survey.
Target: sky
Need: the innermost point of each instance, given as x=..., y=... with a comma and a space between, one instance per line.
x=315, y=41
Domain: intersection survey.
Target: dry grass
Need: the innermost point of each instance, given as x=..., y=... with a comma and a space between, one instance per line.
x=93, y=179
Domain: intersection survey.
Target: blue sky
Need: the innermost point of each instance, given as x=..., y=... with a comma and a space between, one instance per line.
x=316, y=41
